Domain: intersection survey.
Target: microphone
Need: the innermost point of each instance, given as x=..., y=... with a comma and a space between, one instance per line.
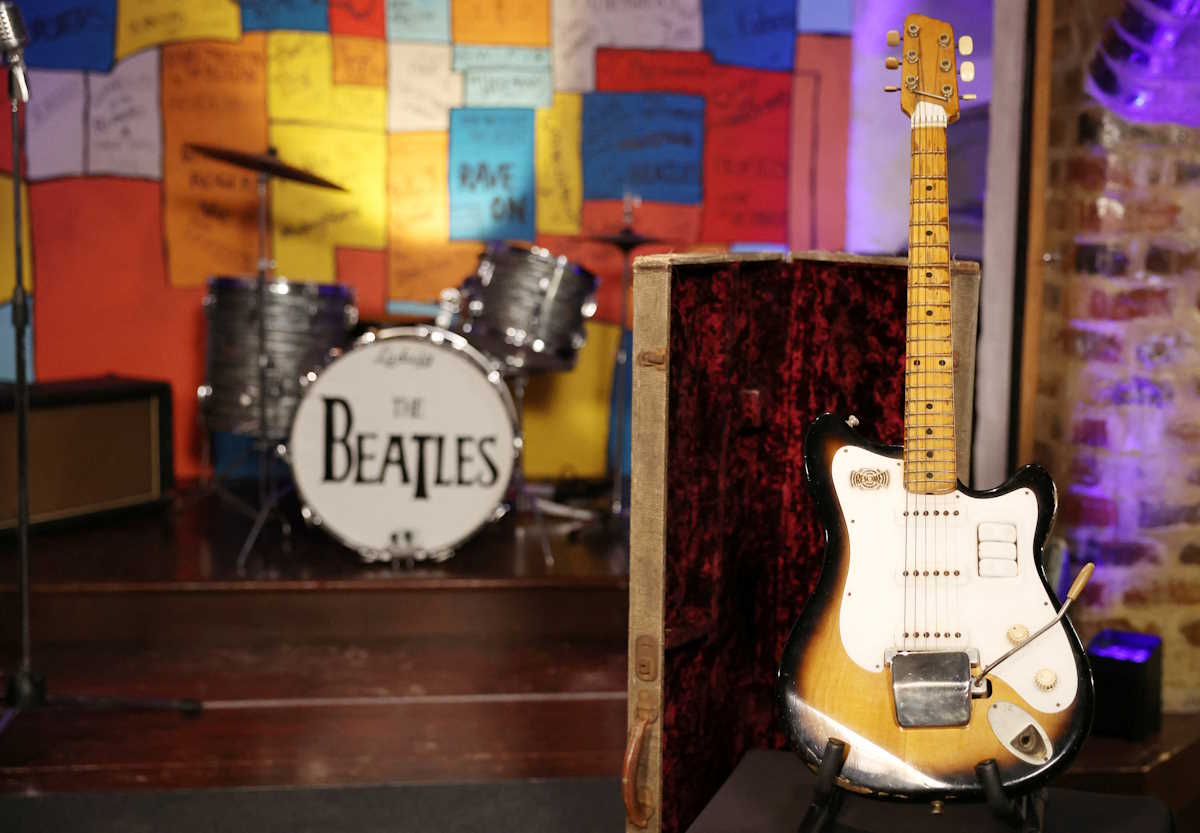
x=13, y=38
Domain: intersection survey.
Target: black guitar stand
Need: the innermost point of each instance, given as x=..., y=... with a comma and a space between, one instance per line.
x=1024, y=815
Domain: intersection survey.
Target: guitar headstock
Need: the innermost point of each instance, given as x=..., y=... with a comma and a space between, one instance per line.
x=927, y=64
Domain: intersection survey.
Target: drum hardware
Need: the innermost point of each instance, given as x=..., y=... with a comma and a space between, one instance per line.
x=265, y=166
x=626, y=239
x=25, y=688
x=405, y=445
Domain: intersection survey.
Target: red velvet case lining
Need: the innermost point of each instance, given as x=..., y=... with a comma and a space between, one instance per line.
x=758, y=350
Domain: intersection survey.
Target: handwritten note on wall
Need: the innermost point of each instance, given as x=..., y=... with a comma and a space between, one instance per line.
x=54, y=141
x=124, y=123
x=360, y=61
x=491, y=174
x=508, y=88
x=302, y=15
x=751, y=33
x=558, y=134
x=142, y=23
x=580, y=26
x=512, y=22
x=364, y=18
x=71, y=34
x=216, y=94
x=309, y=222
x=649, y=144
x=747, y=135
x=468, y=57
x=418, y=20
x=421, y=259
x=300, y=85
x=422, y=87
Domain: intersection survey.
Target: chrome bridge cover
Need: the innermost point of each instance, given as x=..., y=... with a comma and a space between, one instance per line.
x=932, y=688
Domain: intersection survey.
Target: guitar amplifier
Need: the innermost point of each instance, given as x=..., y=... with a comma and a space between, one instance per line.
x=734, y=356
x=96, y=446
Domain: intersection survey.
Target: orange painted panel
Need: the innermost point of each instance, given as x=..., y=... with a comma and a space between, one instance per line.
x=212, y=93
x=103, y=301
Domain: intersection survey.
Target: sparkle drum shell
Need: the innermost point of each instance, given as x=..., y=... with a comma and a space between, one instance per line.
x=304, y=322
x=527, y=307
x=404, y=446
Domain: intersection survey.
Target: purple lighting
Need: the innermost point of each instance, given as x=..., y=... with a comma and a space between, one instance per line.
x=1143, y=68
x=1125, y=646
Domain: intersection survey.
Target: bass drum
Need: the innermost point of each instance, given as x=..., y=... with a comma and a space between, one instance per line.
x=404, y=446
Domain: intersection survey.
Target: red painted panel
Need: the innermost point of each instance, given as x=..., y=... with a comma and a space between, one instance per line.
x=366, y=271
x=820, y=135
x=357, y=17
x=103, y=304
x=746, y=145
x=6, y=131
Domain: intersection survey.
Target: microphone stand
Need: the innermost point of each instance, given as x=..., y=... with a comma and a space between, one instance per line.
x=26, y=689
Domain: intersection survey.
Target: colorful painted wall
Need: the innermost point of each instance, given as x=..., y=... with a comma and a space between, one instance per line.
x=449, y=122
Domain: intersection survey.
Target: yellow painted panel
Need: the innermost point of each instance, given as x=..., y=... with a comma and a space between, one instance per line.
x=7, y=267
x=559, y=165
x=566, y=414
x=142, y=23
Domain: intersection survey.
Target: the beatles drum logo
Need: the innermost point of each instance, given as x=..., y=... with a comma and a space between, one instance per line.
x=408, y=439
x=421, y=461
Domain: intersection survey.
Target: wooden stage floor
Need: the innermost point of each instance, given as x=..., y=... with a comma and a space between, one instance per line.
x=315, y=669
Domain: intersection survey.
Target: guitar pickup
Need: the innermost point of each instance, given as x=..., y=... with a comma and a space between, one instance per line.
x=997, y=552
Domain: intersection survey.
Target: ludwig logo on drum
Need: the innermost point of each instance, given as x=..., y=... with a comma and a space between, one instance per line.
x=419, y=460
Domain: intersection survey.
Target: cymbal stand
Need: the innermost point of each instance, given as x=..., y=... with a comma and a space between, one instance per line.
x=25, y=689
x=268, y=496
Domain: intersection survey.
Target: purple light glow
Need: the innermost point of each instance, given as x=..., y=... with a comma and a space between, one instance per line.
x=1125, y=646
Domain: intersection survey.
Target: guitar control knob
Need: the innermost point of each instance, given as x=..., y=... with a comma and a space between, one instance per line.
x=1017, y=634
x=1045, y=679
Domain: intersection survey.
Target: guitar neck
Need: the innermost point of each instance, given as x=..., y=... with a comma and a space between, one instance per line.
x=930, y=460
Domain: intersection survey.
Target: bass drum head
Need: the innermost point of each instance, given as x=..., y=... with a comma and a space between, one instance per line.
x=405, y=445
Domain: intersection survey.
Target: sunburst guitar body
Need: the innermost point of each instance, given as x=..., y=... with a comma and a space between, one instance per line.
x=933, y=642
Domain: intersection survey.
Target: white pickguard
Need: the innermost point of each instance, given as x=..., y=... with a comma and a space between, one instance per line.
x=880, y=605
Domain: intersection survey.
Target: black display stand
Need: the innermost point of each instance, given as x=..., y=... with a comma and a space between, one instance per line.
x=1024, y=815
x=772, y=791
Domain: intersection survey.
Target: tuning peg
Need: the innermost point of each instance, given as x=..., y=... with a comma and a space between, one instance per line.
x=892, y=62
x=967, y=70
x=966, y=45
x=891, y=89
x=893, y=37
x=968, y=96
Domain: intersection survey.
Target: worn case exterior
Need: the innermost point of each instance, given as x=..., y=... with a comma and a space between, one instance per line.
x=734, y=356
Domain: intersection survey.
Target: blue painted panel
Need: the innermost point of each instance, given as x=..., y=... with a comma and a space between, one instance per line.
x=649, y=144
x=8, y=344
x=300, y=15
x=491, y=174
x=751, y=33
x=70, y=34
x=830, y=17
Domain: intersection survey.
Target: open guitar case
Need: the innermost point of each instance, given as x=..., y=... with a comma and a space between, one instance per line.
x=733, y=357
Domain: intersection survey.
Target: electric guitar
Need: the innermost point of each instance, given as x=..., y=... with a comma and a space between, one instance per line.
x=933, y=642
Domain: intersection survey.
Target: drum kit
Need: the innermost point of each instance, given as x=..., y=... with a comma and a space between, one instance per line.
x=405, y=441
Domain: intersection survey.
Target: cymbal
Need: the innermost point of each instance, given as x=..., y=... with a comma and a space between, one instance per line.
x=263, y=163
x=626, y=239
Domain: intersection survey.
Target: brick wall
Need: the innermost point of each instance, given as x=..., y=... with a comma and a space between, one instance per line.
x=1118, y=407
